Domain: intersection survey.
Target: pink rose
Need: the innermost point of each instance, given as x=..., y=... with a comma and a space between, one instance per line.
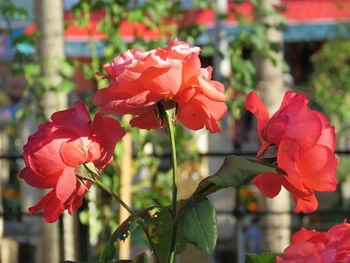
x=172, y=76
x=319, y=247
x=55, y=152
x=302, y=144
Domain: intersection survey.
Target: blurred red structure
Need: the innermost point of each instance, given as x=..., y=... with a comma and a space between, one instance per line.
x=295, y=12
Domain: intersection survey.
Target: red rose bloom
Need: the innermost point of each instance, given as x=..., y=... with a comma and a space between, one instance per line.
x=54, y=153
x=319, y=247
x=140, y=80
x=305, y=150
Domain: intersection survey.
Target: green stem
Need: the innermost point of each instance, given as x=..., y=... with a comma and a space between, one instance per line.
x=114, y=195
x=171, y=130
x=143, y=225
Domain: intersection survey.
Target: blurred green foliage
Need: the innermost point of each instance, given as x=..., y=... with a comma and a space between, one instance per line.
x=330, y=82
x=343, y=171
x=9, y=11
x=330, y=86
x=249, y=42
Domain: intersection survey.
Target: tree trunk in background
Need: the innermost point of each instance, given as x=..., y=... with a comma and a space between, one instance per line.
x=50, y=48
x=222, y=67
x=275, y=226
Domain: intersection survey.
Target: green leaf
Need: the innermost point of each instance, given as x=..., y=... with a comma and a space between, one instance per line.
x=234, y=172
x=181, y=242
x=135, y=15
x=90, y=166
x=141, y=258
x=80, y=22
x=98, y=5
x=262, y=258
x=64, y=86
x=87, y=171
x=96, y=228
x=159, y=228
x=84, y=217
x=121, y=233
x=67, y=69
x=207, y=50
x=197, y=223
x=32, y=69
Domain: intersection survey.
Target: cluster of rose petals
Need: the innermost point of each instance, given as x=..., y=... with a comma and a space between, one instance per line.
x=305, y=150
x=319, y=247
x=140, y=80
x=54, y=153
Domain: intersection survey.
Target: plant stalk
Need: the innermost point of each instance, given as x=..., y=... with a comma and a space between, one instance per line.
x=144, y=227
x=171, y=130
x=114, y=195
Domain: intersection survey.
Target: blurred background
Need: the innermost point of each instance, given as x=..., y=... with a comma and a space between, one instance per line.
x=50, y=51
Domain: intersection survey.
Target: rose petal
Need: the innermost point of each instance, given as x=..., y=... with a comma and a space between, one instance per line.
x=123, y=60
x=327, y=138
x=74, y=153
x=318, y=166
x=180, y=50
x=36, y=180
x=301, y=250
x=209, y=89
x=328, y=133
x=200, y=112
x=304, y=235
x=148, y=120
x=54, y=208
x=268, y=183
x=42, y=203
x=107, y=132
x=51, y=205
x=38, y=139
x=254, y=104
x=305, y=203
x=185, y=95
x=78, y=197
x=330, y=255
x=163, y=81
x=46, y=161
x=66, y=184
x=276, y=129
x=287, y=156
x=190, y=71
x=136, y=104
x=76, y=119
x=304, y=125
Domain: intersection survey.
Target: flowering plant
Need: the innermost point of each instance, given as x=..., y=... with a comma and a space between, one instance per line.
x=55, y=157
x=161, y=87
x=170, y=76
x=301, y=144
x=313, y=246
